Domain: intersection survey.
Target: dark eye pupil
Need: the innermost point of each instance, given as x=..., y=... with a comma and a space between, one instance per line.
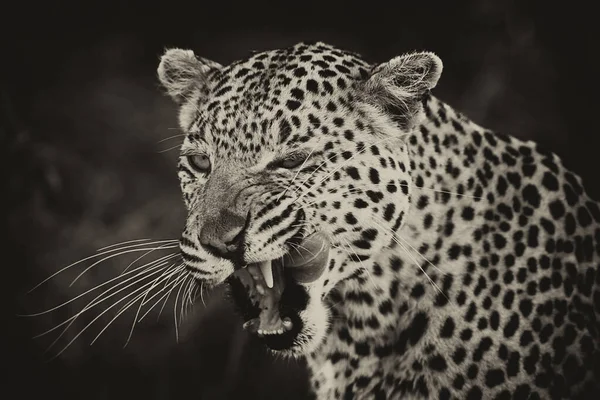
x=200, y=162
x=291, y=162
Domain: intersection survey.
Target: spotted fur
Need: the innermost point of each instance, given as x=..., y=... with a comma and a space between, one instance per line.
x=464, y=263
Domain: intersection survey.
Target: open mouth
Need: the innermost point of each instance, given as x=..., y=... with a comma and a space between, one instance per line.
x=269, y=294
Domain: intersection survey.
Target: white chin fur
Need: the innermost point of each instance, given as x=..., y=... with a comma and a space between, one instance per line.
x=316, y=322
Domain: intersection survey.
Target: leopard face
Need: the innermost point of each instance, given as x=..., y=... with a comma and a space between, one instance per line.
x=287, y=146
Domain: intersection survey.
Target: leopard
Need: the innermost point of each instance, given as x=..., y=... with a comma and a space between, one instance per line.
x=367, y=227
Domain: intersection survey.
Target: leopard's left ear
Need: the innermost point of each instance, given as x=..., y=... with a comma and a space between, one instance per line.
x=182, y=73
x=398, y=86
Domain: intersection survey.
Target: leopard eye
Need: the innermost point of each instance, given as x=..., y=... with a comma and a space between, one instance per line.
x=200, y=163
x=291, y=162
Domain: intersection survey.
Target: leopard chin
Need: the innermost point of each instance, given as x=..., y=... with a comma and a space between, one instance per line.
x=272, y=296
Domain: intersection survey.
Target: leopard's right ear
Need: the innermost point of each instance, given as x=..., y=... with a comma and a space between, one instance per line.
x=184, y=75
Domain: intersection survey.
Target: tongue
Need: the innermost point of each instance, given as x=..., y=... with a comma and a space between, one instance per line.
x=307, y=262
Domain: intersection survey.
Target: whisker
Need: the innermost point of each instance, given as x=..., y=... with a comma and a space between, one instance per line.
x=184, y=297
x=91, y=257
x=362, y=265
x=144, y=255
x=170, y=148
x=423, y=271
x=154, y=284
x=101, y=285
x=95, y=302
x=397, y=237
x=168, y=293
x=120, y=253
x=423, y=257
x=171, y=137
x=122, y=243
x=175, y=312
x=330, y=174
x=94, y=320
x=120, y=312
x=296, y=175
x=202, y=294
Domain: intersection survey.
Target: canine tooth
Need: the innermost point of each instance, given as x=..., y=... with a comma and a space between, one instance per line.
x=287, y=324
x=267, y=270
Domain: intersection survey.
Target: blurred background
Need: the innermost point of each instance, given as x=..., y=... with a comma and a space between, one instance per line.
x=89, y=152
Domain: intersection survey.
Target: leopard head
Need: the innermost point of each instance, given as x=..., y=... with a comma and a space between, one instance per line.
x=295, y=174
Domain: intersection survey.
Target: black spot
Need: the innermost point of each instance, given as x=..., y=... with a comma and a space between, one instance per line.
x=512, y=367
x=507, y=301
x=525, y=306
x=422, y=202
x=522, y=392
x=499, y=241
x=459, y=355
x=360, y=203
x=374, y=175
x=512, y=325
x=293, y=105
x=531, y=195
x=526, y=338
x=437, y=363
x=417, y=291
x=350, y=218
x=549, y=181
x=484, y=345
x=494, y=377
x=388, y=212
x=300, y=72
x=454, y=251
x=353, y=173
x=474, y=393
x=312, y=86
x=448, y=328
x=285, y=130
x=583, y=217
x=466, y=334
x=557, y=209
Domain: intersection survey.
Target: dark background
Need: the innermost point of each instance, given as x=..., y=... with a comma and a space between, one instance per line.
x=81, y=124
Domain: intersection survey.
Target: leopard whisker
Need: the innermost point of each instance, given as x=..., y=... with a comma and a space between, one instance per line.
x=138, y=278
x=397, y=237
x=171, y=137
x=144, y=301
x=175, y=310
x=145, y=254
x=112, y=280
x=122, y=243
x=100, y=254
x=422, y=270
x=120, y=312
x=202, y=293
x=375, y=285
x=120, y=253
x=297, y=172
x=94, y=320
x=168, y=293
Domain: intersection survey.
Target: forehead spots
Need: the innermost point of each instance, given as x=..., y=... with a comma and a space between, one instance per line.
x=280, y=95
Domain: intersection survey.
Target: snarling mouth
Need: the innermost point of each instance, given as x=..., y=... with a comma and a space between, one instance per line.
x=269, y=294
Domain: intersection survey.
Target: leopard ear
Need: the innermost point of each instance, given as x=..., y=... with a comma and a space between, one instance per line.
x=182, y=73
x=398, y=86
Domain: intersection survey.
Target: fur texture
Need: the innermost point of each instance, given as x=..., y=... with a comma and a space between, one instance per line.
x=464, y=263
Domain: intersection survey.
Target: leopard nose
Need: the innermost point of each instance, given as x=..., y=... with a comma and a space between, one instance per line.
x=223, y=236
